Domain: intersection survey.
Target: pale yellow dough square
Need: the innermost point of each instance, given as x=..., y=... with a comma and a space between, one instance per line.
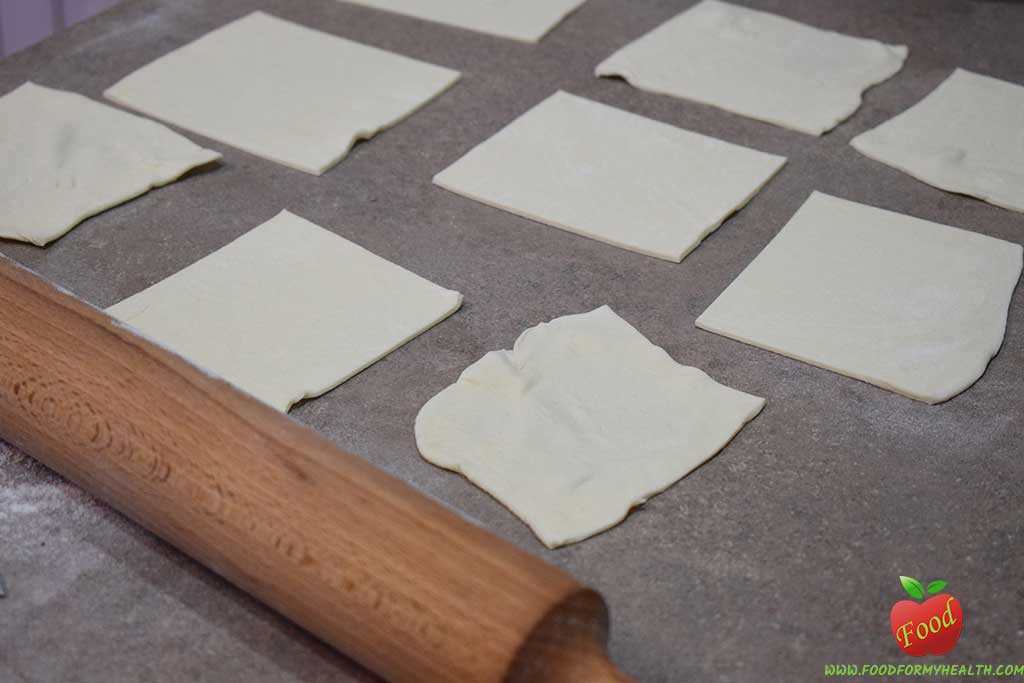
x=64, y=158
x=757, y=64
x=581, y=421
x=288, y=310
x=909, y=305
x=966, y=136
x=611, y=175
x=282, y=91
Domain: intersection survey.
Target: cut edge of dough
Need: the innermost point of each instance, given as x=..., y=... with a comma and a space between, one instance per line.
x=456, y=304
x=534, y=218
x=57, y=233
x=867, y=148
x=363, y=135
x=900, y=52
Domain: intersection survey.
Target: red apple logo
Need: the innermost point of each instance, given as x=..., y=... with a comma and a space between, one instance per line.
x=928, y=628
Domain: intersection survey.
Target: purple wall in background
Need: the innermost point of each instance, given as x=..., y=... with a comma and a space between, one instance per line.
x=24, y=22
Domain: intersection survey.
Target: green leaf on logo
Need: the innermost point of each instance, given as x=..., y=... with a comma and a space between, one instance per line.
x=913, y=587
x=936, y=586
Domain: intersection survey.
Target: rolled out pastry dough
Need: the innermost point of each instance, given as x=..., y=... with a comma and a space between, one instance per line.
x=288, y=310
x=581, y=421
x=966, y=136
x=912, y=306
x=611, y=175
x=757, y=64
x=64, y=157
x=527, y=20
x=282, y=91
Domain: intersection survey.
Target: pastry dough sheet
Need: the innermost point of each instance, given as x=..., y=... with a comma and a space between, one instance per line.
x=966, y=136
x=288, y=310
x=909, y=305
x=583, y=420
x=757, y=64
x=282, y=91
x=64, y=158
x=613, y=176
x=526, y=20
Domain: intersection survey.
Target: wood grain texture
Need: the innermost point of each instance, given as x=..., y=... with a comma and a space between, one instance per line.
x=393, y=579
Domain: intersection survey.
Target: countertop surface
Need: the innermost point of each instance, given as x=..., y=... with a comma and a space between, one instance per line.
x=778, y=556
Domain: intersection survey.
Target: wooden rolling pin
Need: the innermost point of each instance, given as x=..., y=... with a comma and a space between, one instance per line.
x=389, y=577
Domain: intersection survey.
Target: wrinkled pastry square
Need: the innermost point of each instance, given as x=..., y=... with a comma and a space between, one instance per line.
x=583, y=420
